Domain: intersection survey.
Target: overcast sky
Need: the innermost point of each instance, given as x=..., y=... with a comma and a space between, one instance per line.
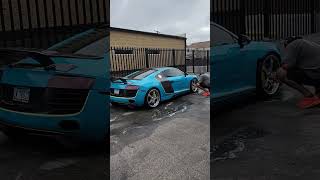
x=175, y=17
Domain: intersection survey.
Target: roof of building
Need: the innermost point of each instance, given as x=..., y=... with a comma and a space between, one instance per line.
x=147, y=33
x=205, y=44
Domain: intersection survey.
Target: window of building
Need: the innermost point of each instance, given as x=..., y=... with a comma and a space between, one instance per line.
x=123, y=51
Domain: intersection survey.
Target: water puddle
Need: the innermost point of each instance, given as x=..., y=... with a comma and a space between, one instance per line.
x=142, y=115
x=232, y=146
x=227, y=150
x=57, y=164
x=169, y=110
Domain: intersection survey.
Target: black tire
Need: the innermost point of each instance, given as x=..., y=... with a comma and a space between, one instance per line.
x=146, y=104
x=261, y=92
x=191, y=90
x=115, y=104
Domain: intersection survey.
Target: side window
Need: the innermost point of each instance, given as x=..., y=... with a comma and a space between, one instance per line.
x=172, y=73
x=177, y=72
x=165, y=73
x=220, y=37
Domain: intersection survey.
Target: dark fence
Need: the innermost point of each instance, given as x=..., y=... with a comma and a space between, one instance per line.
x=42, y=23
x=197, y=61
x=127, y=60
x=274, y=19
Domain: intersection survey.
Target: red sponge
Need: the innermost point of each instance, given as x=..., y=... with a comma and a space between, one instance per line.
x=206, y=93
x=309, y=102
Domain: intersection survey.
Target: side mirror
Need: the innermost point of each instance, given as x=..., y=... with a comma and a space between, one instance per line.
x=243, y=40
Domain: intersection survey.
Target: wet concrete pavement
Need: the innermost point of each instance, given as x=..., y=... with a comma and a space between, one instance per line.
x=271, y=139
x=169, y=142
x=35, y=158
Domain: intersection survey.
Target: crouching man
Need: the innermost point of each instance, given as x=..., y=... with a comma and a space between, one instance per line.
x=204, y=83
x=301, y=66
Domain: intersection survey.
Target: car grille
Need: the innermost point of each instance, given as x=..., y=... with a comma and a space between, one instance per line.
x=124, y=93
x=45, y=100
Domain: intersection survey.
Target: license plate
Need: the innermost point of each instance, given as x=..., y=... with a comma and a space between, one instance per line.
x=21, y=94
x=116, y=91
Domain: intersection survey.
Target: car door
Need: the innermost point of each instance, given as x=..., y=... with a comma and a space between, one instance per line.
x=225, y=61
x=176, y=78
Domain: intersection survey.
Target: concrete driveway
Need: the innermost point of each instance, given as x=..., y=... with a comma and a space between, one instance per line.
x=35, y=158
x=169, y=142
x=271, y=139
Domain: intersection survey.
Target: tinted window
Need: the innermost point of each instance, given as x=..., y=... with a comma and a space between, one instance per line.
x=93, y=42
x=172, y=73
x=141, y=74
x=123, y=51
x=220, y=37
x=97, y=48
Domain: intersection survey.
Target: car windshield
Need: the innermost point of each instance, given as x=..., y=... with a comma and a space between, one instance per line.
x=141, y=74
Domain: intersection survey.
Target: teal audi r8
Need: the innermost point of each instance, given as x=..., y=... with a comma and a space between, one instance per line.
x=149, y=87
x=240, y=66
x=60, y=92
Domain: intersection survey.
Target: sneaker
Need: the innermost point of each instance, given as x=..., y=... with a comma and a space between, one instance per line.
x=309, y=102
x=206, y=93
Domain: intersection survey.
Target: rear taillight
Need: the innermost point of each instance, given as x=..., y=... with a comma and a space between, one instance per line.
x=70, y=82
x=132, y=87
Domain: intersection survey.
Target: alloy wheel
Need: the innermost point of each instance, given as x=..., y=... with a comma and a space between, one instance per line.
x=153, y=98
x=269, y=67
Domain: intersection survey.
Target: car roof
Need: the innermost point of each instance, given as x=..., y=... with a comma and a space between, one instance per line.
x=163, y=68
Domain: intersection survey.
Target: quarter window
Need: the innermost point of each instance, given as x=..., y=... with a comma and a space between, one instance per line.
x=172, y=73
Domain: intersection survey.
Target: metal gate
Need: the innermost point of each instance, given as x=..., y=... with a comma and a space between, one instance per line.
x=274, y=19
x=42, y=23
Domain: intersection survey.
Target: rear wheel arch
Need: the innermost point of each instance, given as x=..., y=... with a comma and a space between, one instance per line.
x=268, y=54
x=148, y=89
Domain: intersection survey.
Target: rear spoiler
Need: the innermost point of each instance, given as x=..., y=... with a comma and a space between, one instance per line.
x=123, y=80
x=43, y=59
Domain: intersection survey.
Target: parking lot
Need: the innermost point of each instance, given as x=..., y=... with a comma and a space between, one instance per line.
x=169, y=142
x=270, y=139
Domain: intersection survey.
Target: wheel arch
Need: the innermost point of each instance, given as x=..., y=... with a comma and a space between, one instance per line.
x=266, y=55
x=157, y=88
